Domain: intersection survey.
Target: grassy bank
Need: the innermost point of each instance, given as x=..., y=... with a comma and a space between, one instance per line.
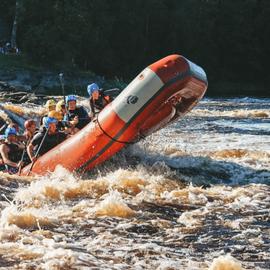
x=13, y=62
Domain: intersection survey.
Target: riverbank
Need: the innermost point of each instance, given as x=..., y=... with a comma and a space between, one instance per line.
x=18, y=74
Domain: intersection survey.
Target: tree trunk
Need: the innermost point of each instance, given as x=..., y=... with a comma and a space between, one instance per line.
x=13, y=38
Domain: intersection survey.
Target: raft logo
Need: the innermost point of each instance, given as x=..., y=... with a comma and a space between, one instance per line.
x=132, y=99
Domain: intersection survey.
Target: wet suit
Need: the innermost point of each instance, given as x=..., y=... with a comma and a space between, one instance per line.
x=50, y=141
x=82, y=114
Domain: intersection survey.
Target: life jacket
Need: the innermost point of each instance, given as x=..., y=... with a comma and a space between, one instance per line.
x=50, y=141
x=14, y=155
x=82, y=115
x=96, y=105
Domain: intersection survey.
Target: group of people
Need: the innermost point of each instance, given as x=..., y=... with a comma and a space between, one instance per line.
x=5, y=48
x=61, y=120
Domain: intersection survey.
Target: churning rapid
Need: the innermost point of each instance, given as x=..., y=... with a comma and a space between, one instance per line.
x=195, y=195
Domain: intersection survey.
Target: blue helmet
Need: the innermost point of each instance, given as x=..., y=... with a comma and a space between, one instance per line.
x=92, y=88
x=70, y=98
x=10, y=131
x=48, y=120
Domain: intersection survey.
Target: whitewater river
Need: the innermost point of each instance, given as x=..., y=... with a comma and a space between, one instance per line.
x=195, y=195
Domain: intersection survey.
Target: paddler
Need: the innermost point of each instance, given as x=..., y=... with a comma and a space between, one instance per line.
x=97, y=100
x=30, y=129
x=76, y=116
x=61, y=108
x=52, y=137
x=11, y=152
x=50, y=105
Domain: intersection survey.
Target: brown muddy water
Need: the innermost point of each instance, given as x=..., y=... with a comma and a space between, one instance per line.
x=195, y=195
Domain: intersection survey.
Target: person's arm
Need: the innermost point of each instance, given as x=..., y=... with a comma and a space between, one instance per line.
x=21, y=145
x=21, y=138
x=30, y=152
x=4, y=153
x=75, y=121
x=30, y=148
x=71, y=123
x=27, y=135
x=92, y=109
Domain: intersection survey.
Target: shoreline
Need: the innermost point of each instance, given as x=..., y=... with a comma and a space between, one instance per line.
x=17, y=74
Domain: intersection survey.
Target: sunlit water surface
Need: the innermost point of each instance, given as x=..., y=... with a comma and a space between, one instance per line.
x=194, y=195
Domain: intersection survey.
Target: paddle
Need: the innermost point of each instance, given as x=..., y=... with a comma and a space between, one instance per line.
x=22, y=158
x=37, y=153
x=3, y=127
x=61, y=78
x=23, y=154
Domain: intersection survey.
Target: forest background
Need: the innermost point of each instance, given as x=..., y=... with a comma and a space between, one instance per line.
x=230, y=39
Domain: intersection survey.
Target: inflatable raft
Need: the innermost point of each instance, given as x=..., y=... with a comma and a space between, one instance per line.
x=159, y=95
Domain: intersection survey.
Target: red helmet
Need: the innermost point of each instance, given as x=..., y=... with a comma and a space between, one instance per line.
x=28, y=123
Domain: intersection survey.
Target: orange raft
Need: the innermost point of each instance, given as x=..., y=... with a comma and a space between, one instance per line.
x=159, y=95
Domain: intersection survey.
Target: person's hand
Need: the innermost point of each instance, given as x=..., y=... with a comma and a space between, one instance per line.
x=91, y=115
x=20, y=164
x=21, y=145
x=74, y=122
x=76, y=119
x=33, y=159
x=67, y=130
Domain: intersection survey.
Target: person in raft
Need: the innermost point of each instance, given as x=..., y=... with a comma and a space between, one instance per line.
x=30, y=129
x=50, y=105
x=29, y=132
x=53, y=138
x=60, y=113
x=61, y=108
x=97, y=100
x=76, y=117
x=20, y=138
x=11, y=152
